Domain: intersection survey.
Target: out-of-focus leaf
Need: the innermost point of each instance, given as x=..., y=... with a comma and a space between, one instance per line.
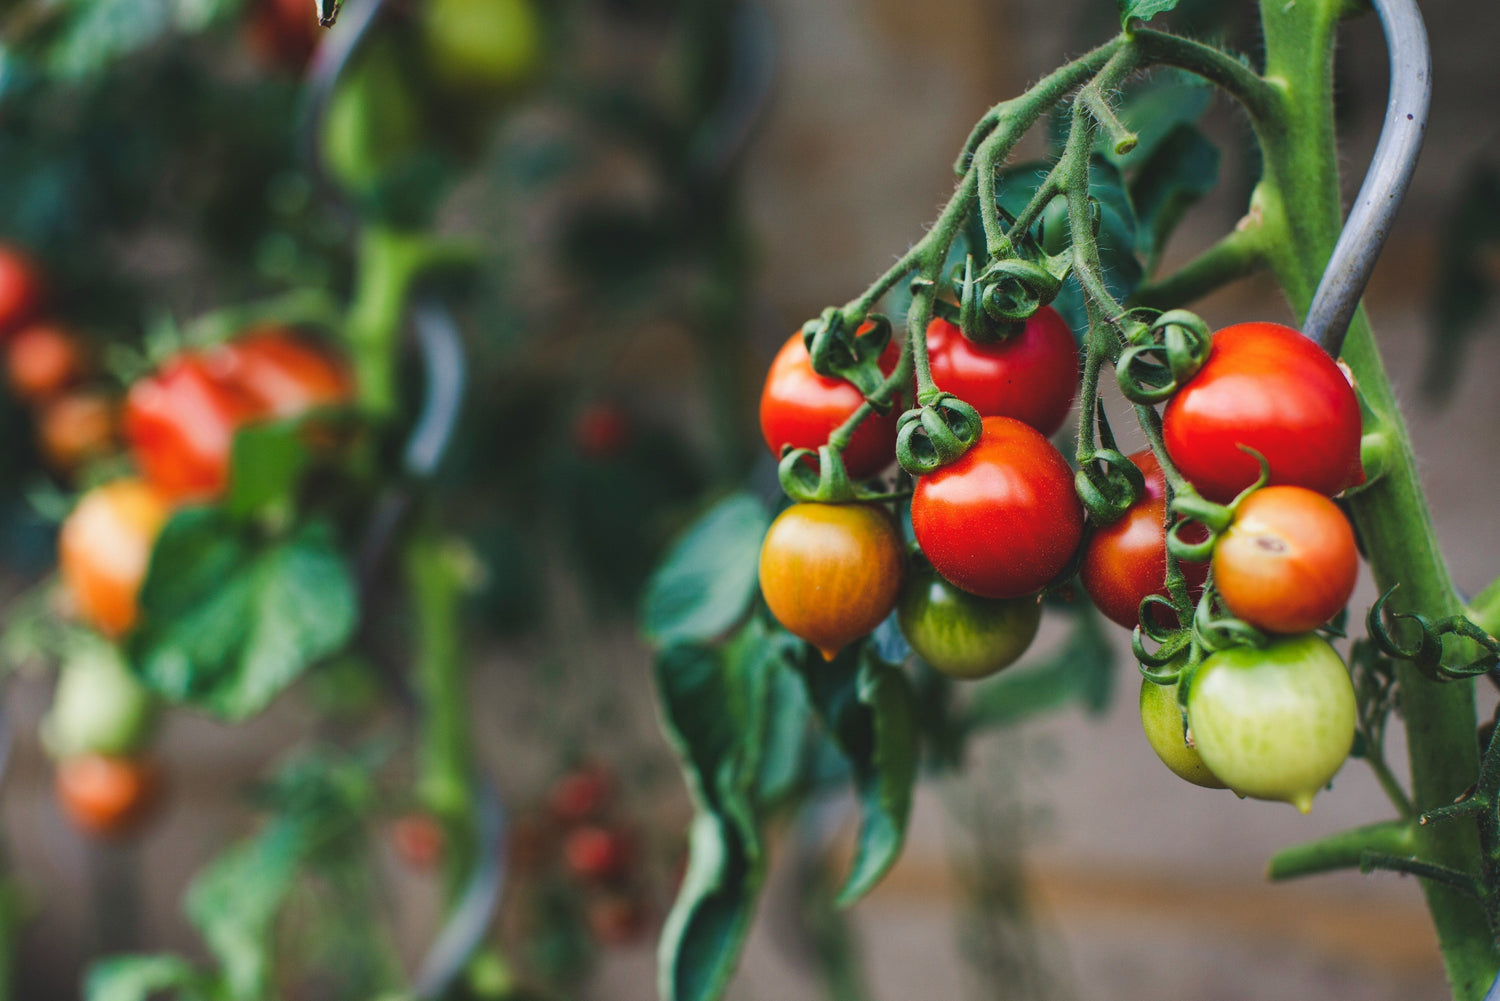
x=783, y=761
x=265, y=463
x=1183, y=168
x=1153, y=109
x=139, y=978
x=709, y=579
x=227, y=623
x=1143, y=10
x=1468, y=276
x=96, y=33
x=1082, y=670
x=869, y=709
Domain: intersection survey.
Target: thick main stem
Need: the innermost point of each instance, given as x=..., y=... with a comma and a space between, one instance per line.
x=1299, y=199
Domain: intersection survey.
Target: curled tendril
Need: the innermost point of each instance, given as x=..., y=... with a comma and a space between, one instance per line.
x=1427, y=653
x=1107, y=484
x=1163, y=357
x=845, y=347
x=818, y=476
x=935, y=434
x=994, y=304
x=1221, y=632
x=1171, y=643
x=1193, y=509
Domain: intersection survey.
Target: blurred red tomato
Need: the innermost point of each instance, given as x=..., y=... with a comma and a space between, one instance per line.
x=282, y=372
x=601, y=430
x=76, y=428
x=20, y=289
x=283, y=33
x=597, y=854
x=581, y=794
x=418, y=838
x=41, y=360
x=180, y=423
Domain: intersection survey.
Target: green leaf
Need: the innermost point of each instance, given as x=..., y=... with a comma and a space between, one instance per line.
x=97, y=33
x=1183, y=168
x=869, y=709
x=1142, y=10
x=227, y=623
x=266, y=462
x=139, y=978
x=710, y=577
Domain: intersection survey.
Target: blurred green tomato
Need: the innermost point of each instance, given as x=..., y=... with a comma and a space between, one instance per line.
x=99, y=706
x=961, y=634
x=1162, y=720
x=481, y=45
x=372, y=122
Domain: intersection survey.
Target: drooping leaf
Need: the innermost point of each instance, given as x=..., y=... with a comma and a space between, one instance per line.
x=139, y=978
x=228, y=623
x=709, y=579
x=1183, y=168
x=1143, y=10
x=869, y=710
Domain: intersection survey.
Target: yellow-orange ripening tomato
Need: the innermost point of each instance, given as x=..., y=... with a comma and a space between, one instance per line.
x=104, y=796
x=77, y=428
x=1288, y=562
x=42, y=360
x=104, y=549
x=831, y=572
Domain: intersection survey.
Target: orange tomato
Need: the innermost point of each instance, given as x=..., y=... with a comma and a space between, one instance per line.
x=76, y=428
x=104, y=796
x=42, y=360
x=104, y=548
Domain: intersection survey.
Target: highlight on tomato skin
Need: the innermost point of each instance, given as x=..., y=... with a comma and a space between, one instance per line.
x=104, y=550
x=1003, y=521
x=284, y=373
x=1031, y=376
x=1288, y=563
x=1267, y=388
x=800, y=408
x=831, y=573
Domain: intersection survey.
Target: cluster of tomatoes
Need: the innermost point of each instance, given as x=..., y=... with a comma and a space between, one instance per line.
x=1003, y=523
x=178, y=425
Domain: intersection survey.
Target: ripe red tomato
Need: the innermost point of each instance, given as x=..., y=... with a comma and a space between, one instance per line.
x=180, y=423
x=830, y=573
x=282, y=372
x=104, y=548
x=1003, y=520
x=1288, y=563
x=801, y=408
x=1126, y=560
x=597, y=854
x=20, y=289
x=418, y=839
x=41, y=360
x=76, y=428
x=1031, y=376
x=1268, y=388
x=581, y=794
x=105, y=796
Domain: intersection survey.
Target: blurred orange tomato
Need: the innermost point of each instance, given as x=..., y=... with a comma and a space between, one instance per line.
x=104, y=549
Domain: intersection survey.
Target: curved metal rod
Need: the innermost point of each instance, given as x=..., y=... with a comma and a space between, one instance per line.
x=466, y=926
x=1385, y=183
x=443, y=357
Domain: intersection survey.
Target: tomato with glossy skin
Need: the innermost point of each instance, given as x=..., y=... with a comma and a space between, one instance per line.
x=104, y=549
x=1003, y=521
x=180, y=423
x=800, y=408
x=42, y=360
x=1275, y=722
x=481, y=45
x=1161, y=718
x=1288, y=562
x=597, y=854
x=960, y=634
x=282, y=372
x=1126, y=560
x=77, y=428
x=830, y=573
x=98, y=707
x=107, y=797
x=20, y=289
x=1268, y=388
x=1031, y=375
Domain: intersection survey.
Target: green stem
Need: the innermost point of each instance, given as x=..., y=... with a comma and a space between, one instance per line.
x=434, y=573
x=1238, y=255
x=1299, y=199
x=1230, y=74
x=1484, y=610
x=1342, y=850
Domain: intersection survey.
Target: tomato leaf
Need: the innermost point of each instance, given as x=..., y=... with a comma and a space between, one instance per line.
x=710, y=577
x=1142, y=10
x=139, y=978
x=869, y=710
x=266, y=462
x=96, y=33
x=228, y=623
x=1183, y=168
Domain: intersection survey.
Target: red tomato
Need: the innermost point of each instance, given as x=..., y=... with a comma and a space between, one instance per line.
x=1266, y=387
x=283, y=373
x=418, y=839
x=801, y=408
x=20, y=289
x=283, y=32
x=1288, y=563
x=1003, y=520
x=1126, y=560
x=104, y=549
x=597, y=854
x=76, y=428
x=581, y=794
x=41, y=360
x=180, y=423
x=104, y=796
x=1031, y=376
x=601, y=430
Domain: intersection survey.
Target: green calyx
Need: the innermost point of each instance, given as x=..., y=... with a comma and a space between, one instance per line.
x=1162, y=357
x=1108, y=484
x=936, y=433
x=841, y=349
x=996, y=303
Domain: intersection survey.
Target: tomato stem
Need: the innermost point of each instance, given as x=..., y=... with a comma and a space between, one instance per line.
x=1342, y=850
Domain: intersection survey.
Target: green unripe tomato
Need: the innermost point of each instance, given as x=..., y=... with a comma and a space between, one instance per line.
x=99, y=707
x=371, y=123
x=961, y=634
x=1162, y=720
x=488, y=46
x=1276, y=722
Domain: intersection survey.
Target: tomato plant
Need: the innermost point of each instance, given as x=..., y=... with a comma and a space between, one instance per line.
x=103, y=549
x=800, y=408
x=107, y=797
x=830, y=573
x=1003, y=521
x=1288, y=562
x=1162, y=719
x=1031, y=375
x=1265, y=387
x=961, y=634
